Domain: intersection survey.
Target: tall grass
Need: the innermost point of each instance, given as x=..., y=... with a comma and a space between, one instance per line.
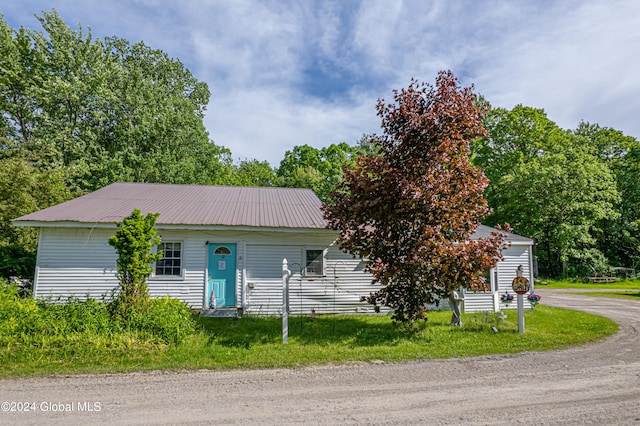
x=82, y=331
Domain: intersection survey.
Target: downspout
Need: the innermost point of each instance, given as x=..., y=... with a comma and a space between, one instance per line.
x=495, y=288
x=531, y=271
x=37, y=271
x=243, y=279
x=206, y=276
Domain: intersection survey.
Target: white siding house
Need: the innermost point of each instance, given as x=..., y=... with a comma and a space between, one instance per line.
x=227, y=240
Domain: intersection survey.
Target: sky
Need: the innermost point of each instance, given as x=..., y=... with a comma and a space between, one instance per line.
x=292, y=72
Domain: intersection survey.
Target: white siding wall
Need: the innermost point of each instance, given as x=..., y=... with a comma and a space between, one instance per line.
x=478, y=302
x=502, y=276
x=349, y=283
x=79, y=262
x=337, y=291
x=264, y=275
x=190, y=288
x=513, y=257
x=75, y=263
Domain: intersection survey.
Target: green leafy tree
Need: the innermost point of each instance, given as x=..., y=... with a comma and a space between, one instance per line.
x=624, y=235
x=557, y=199
x=618, y=237
x=24, y=189
x=252, y=173
x=105, y=110
x=302, y=168
x=514, y=136
x=17, y=76
x=152, y=128
x=317, y=169
x=549, y=184
x=134, y=242
x=412, y=208
x=73, y=68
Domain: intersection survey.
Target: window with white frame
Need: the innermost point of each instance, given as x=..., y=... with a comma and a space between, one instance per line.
x=171, y=263
x=314, y=262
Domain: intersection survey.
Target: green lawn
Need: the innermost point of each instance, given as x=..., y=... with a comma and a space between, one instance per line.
x=257, y=343
x=630, y=284
x=624, y=289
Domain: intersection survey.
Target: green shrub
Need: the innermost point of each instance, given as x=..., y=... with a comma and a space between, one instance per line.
x=134, y=243
x=166, y=318
x=17, y=315
x=65, y=326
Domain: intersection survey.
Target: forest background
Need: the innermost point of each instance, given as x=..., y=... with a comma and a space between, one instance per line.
x=79, y=113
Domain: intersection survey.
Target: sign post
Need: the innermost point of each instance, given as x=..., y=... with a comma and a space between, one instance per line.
x=285, y=301
x=521, y=286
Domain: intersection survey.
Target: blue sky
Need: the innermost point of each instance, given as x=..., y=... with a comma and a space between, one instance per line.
x=285, y=73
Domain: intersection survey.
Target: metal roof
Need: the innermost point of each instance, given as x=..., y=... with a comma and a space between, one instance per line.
x=204, y=206
x=484, y=231
x=191, y=205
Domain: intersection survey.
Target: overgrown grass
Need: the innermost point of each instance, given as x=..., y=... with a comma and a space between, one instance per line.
x=37, y=336
x=89, y=344
x=576, y=283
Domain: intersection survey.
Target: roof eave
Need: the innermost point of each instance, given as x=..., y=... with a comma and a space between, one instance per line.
x=520, y=242
x=170, y=226
x=62, y=224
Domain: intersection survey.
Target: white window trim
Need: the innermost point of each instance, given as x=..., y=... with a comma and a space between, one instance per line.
x=324, y=261
x=180, y=277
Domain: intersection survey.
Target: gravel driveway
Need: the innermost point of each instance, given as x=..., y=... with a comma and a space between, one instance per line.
x=594, y=384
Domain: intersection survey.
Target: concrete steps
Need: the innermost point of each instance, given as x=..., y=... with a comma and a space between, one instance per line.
x=221, y=313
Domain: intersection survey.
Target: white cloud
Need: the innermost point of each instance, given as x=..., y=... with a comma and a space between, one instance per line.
x=285, y=72
x=263, y=124
x=576, y=63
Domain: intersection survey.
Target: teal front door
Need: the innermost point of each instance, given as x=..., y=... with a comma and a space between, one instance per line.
x=222, y=275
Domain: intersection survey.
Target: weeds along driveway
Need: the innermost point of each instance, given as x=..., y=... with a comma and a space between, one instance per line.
x=598, y=383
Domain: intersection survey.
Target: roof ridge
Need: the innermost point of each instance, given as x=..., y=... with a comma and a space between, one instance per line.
x=284, y=188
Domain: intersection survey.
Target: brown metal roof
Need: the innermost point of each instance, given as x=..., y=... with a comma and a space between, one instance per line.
x=484, y=231
x=201, y=206
x=191, y=205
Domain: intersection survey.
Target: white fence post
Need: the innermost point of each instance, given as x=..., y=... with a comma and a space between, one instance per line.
x=285, y=301
x=520, y=313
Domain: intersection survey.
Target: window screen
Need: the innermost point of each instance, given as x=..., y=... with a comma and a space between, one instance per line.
x=314, y=264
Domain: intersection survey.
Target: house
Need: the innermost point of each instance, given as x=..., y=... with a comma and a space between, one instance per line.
x=229, y=241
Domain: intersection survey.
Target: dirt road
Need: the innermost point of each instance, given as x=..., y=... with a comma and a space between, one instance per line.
x=595, y=384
